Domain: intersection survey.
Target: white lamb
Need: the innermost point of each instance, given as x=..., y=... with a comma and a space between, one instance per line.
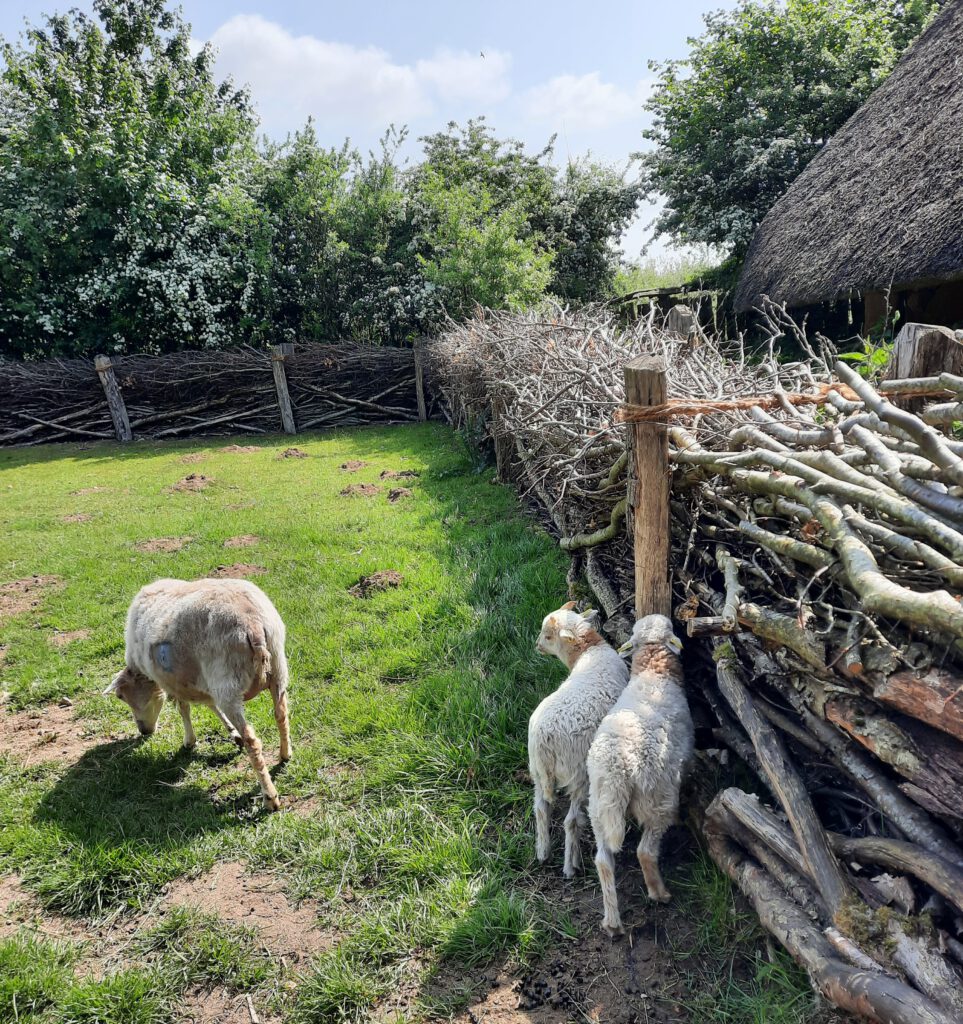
x=637, y=761
x=213, y=642
x=562, y=726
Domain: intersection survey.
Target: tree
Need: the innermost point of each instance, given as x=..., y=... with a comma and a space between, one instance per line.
x=124, y=216
x=760, y=93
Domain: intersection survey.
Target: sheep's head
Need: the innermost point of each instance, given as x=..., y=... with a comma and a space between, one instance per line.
x=566, y=633
x=652, y=629
x=144, y=697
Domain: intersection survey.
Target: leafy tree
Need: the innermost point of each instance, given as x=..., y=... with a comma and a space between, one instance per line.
x=760, y=93
x=123, y=214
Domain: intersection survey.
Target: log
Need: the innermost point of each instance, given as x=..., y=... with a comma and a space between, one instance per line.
x=278, y=354
x=115, y=400
x=925, y=350
x=934, y=697
x=419, y=353
x=645, y=385
x=821, y=864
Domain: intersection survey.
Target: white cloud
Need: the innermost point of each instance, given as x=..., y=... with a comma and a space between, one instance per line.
x=351, y=87
x=584, y=101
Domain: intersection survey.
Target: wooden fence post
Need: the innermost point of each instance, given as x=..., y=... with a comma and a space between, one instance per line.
x=278, y=354
x=645, y=384
x=115, y=400
x=419, y=352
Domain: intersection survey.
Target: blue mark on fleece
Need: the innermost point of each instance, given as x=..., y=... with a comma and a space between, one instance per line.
x=164, y=656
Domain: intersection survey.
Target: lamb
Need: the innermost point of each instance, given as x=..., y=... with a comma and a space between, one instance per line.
x=637, y=761
x=214, y=642
x=562, y=726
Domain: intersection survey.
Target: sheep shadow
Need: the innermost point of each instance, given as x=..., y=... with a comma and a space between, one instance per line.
x=128, y=793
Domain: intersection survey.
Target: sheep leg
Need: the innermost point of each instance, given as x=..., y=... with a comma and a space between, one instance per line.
x=605, y=864
x=190, y=740
x=648, y=854
x=280, y=698
x=543, y=818
x=255, y=753
x=234, y=734
x=573, y=849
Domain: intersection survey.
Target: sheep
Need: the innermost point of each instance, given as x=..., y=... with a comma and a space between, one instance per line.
x=637, y=761
x=562, y=726
x=214, y=642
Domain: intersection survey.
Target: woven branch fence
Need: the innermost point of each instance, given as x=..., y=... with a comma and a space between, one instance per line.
x=814, y=530
x=245, y=390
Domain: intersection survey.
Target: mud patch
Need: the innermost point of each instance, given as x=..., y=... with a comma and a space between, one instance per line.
x=40, y=735
x=76, y=517
x=397, y=494
x=242, y=449
x=165, y=544
x=193, y=458
x=192, y=482
x=19, y=596
x=90, y=490
x=256, y=901
x=292, y=453
x=237, y=571
x=245, y=540
x=385, y=579
x=219, y=1006
x=360, y=491
x=399, y=474
x=62, y=638
x=352, y=465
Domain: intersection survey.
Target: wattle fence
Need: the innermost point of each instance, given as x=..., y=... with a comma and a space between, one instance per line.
x=288, y=388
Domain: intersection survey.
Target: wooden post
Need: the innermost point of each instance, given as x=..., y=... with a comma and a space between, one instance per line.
x=278, y=354
x=115, y=400
x=645, y=384
x=419, y=352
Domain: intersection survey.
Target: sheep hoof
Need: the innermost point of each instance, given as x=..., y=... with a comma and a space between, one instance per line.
x=613, y=931
x=272, y=803
x=662, y=896
x=189, y=745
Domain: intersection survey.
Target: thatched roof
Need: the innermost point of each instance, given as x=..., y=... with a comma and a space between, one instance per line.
x=882, y=204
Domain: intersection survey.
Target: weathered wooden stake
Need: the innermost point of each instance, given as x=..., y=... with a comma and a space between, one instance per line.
x=419, y=353
x=278, y=354
x=645, y=384
x=115, y=400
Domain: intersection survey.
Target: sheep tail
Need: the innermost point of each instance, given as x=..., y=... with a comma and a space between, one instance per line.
x=543, y=774
x=262, y=658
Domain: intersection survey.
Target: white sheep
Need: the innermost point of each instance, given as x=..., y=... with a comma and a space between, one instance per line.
x=562, y=726
x=213, y=642
x=637, y=761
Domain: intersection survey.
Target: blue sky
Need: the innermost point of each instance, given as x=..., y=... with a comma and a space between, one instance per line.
x=575, y=69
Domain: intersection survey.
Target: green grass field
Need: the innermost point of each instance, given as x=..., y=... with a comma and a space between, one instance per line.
x=406, y=818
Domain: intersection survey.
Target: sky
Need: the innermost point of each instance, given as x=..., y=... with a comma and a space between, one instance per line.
x=533, y=68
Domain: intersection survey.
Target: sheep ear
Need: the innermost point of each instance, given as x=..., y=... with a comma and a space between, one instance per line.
x=566, y=634
x=110, y=688
x=589, y=612
x=674, y=644
x=568, y=606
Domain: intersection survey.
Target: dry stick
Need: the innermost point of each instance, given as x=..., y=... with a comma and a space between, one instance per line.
x=61, y=427
x=600, y=536
x=865, y=993
x=785, y=631
x=788, y=546
x=730, y=571
x=29, y=431
x=821, y=864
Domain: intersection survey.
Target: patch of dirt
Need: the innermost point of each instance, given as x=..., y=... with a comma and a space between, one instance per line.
x=353, y=465
x=90, y=490
x=397, y=494
x=19, y=907
x=256, y=901
x=192, y=482
x=237, y=571
x=219, y=1006
x=245, y=540
x=376, y=582
x=64, y=637
x=192, y=458
x=399, y=474
x=241, y=504
x=19, y=596
x=76, y=517
x=242, y=449
x=165, y=544
x=360, y=491
x=52, y=733
x=292, y=453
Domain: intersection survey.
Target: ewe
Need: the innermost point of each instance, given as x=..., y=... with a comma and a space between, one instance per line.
x=637, y=760
x=213, y=642
x=562, y=726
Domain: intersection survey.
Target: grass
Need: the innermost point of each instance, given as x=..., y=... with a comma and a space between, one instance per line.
x=665, y=271
x=409, y=713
